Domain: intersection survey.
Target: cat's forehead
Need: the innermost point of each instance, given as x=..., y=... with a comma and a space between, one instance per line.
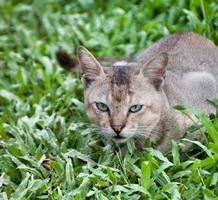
x=121, y=74
x=121, y=80
x=121, y=85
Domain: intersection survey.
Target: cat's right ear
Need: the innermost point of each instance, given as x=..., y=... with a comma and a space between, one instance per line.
x=155, y=69
x=90, y=67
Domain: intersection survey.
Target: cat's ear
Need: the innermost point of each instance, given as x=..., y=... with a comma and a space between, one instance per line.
x=155, y=69
x=90, y=67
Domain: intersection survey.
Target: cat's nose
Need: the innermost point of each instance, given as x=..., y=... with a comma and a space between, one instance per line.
x=117, y=128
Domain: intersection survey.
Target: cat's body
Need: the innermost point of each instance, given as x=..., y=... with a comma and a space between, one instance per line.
x=191, y=78
x=134, y=100
x=192, y=67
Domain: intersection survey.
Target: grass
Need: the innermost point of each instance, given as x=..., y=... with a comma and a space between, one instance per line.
x=47, y=150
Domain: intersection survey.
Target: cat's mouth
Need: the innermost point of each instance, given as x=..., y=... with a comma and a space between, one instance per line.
x=119, y=139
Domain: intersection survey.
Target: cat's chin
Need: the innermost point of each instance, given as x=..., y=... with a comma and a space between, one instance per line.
x=119, y=140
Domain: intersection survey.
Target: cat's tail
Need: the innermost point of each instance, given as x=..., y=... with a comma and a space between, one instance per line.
x=71, y=63
x=67, y=61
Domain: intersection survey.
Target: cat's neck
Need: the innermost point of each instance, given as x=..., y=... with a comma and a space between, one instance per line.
x=160, y=129
x=167, y=127
x=165, y=107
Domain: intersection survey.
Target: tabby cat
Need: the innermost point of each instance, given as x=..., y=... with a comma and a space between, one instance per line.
x=135, y=99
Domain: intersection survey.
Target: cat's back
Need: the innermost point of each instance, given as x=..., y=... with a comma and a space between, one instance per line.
x=192, y=68
x=186, y=52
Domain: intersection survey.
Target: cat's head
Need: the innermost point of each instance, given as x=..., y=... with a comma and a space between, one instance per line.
x=124, y=100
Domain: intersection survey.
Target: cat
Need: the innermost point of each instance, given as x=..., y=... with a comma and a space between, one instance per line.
x=135, y=99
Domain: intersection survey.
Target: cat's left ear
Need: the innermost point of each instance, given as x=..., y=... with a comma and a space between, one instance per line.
x=90, y=67
x=155, y=69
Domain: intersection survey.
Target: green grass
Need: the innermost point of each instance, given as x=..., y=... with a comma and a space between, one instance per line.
x=47, y=150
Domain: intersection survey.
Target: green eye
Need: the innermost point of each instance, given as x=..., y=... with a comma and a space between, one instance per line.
x=135, y=108
x=102, y=107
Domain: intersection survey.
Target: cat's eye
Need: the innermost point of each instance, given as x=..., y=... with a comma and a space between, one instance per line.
x=102, y=107
x=135, y=108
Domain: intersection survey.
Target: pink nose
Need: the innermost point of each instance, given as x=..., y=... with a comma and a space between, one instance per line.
x=117, y=128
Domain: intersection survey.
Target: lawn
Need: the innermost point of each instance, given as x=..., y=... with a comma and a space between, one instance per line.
x=47, y=148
